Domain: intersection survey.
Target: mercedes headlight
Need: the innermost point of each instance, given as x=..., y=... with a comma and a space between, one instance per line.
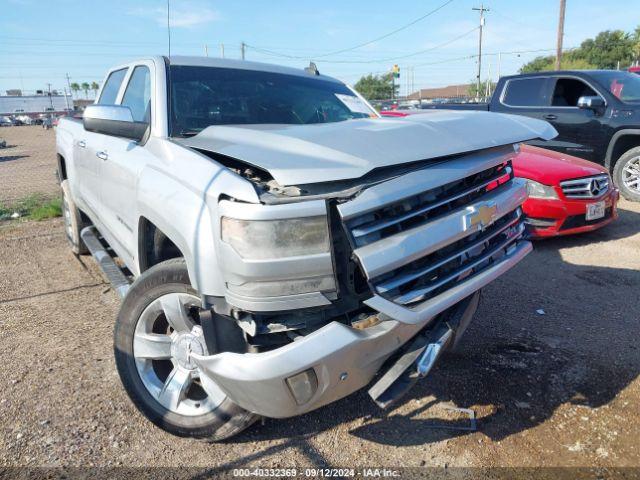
x=269, y=239
x=539, y=190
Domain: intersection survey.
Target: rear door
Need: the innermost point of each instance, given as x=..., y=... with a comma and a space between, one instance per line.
x=88, y=146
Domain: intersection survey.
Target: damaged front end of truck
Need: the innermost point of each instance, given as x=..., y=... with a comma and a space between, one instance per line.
x=350, y=277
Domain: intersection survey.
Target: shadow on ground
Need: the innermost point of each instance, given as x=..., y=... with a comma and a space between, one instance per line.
x=514, y=373
x=11, y=158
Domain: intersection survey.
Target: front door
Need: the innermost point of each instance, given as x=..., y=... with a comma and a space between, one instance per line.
x=579, y=129
x=121, y=169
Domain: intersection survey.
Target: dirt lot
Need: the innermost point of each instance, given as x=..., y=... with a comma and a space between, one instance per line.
x=27, y=165
x=553, y=389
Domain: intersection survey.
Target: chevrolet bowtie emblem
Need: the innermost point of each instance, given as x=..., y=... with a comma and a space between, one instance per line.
x=484, y=216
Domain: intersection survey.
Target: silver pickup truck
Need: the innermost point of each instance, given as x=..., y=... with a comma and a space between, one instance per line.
x=285, y=244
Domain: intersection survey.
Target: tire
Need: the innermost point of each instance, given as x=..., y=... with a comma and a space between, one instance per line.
x=73, y=223
x=626, y=174
x=159, y=300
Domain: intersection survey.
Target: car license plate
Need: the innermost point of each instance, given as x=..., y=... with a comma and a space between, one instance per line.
x=595, y=211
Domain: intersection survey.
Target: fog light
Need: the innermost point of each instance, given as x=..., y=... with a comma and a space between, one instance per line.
x=303, y=386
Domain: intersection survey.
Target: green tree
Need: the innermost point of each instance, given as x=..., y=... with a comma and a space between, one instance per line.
x=473, y=88
x=569, y=61
x=95, y=87
x=606, y=50
x=85, y=87
x=636, y=43
x=75, y=88
x=376, y=87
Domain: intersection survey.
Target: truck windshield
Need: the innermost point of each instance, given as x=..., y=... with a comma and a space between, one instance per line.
x=204, y=96
x=624, y=85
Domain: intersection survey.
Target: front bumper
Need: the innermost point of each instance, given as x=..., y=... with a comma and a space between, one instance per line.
x=550, y=218
x=344, y=359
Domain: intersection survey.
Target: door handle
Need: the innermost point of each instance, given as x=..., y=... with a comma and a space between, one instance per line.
x=550, y=116
x=102, y=155
x=82, y=144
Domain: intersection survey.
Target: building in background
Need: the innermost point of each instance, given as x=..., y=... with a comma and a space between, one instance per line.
x=449, y=92
x=34, y=105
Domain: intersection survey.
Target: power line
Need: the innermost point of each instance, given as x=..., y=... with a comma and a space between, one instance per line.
x=377, y=60
x=360, y=45
x=404, y=27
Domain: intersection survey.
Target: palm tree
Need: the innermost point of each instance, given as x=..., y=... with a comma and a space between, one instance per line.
x=95, y=87
x=86, y=87
x=75, y=87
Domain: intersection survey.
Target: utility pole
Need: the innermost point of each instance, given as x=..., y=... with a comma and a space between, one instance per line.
x=242, y=47
x=66, y=99
x=50, y=99
x=222, y=50
x=70, y=92
x=560, y=35
x=481, y=10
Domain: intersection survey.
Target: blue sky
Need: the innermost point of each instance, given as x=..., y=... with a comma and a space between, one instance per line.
x=41, y=41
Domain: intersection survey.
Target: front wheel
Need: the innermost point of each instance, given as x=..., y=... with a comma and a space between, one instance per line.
x=157, y=329
x=626, y=174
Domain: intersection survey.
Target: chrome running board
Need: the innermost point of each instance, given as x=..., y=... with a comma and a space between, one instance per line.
x=119, y=281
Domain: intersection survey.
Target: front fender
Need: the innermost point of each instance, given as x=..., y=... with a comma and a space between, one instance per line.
x=182, y=202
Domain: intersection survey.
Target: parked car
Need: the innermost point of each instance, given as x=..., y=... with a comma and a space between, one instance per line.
x=596, y=114
x=567, y=194
x=5, y=122
x=285, y=240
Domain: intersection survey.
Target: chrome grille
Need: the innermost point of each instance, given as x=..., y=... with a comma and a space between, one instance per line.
x=419, y=209
x=422, y=242
x=589, y=187
x=435, y=273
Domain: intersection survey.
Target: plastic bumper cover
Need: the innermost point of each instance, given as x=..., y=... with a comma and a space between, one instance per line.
x=344, y=359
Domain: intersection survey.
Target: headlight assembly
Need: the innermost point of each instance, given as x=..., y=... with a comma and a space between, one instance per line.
x=270, y=239
x=539, y=190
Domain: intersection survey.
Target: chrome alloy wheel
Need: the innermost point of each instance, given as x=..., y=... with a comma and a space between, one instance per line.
x=631, y=174
x=166, y=335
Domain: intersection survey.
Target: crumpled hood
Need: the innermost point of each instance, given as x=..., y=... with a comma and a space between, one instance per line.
x=303, y=154
x=551, y=167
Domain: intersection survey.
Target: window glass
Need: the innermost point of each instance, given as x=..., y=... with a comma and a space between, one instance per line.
x=137, y=96
x=111, y=87
x=526, y=92
x=624, y=85
x=568, y=90
x=204, y=96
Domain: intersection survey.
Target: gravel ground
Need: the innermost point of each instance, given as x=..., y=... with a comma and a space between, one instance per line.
x=27, y=165
x=553, y=389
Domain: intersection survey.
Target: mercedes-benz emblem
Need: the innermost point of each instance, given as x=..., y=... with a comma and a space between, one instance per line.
x=595, y=187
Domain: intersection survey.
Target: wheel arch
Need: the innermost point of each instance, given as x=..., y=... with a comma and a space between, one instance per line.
x=62, y=168
x=621, y=142
x=154, y=245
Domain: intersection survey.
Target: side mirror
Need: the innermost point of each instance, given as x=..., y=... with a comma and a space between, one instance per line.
x=591, y=102
x=114, y=120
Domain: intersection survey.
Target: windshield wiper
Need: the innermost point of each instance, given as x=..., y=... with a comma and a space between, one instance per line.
x=189, y=133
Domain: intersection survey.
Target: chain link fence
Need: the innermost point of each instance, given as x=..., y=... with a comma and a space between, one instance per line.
x=27, y=171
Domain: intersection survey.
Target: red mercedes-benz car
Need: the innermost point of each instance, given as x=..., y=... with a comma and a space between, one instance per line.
x=566, y=194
